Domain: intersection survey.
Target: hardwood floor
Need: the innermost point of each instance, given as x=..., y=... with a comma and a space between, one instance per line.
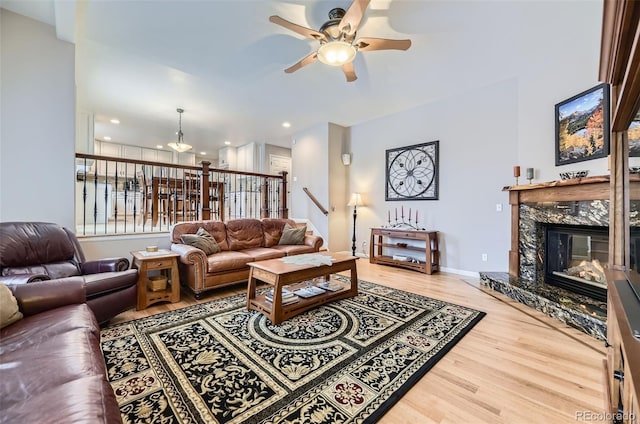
x=515, y=366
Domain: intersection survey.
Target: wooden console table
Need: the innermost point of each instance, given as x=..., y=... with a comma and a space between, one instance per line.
x=427, y=255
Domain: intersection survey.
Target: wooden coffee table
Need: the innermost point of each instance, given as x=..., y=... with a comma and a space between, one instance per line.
x=278, y=274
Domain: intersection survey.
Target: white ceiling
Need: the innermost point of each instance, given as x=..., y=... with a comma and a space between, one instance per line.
x=223, y=61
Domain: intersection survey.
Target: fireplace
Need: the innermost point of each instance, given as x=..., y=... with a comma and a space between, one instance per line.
x=575, y=212
x=575, y=257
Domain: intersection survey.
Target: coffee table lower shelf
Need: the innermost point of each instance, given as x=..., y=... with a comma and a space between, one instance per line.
x=261, y=304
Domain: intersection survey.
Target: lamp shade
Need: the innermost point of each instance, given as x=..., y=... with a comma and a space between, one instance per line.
x=356, y=200
x=336, y=53
x=180, y=147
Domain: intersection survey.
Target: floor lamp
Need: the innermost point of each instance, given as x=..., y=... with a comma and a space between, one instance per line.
x=356, y=200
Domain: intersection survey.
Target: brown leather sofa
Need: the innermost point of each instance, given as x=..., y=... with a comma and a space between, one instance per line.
x=241, y=241
x=52, y=369
x=38, y=251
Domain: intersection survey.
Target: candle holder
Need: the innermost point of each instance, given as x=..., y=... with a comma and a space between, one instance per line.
x=412, y=224
x=530, y=175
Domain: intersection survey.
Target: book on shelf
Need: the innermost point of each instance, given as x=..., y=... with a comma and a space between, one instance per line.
x=331, y=286
x=309, y=291
x=285, y=292
x=287, y=296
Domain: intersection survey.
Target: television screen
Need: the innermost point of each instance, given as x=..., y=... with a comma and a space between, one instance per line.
x=629, y=291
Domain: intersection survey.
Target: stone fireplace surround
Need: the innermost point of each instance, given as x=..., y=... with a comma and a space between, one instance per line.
x=573, y=202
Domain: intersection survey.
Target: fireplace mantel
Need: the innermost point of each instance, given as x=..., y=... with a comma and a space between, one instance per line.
x=588, y=188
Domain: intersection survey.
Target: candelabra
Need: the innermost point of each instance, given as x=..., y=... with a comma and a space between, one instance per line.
x=402, y=223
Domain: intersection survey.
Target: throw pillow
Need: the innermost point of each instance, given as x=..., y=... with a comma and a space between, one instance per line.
x=202, y=240
x=9, y=311
x=292, y=235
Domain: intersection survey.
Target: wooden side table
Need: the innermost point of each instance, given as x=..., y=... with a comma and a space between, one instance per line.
x=428, y=255
x=166, y=262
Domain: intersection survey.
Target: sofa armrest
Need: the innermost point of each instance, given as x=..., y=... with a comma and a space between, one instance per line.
x=41, y=296
x=313, y=241
x=23, y=278
x=104, y=265
x=190, y=255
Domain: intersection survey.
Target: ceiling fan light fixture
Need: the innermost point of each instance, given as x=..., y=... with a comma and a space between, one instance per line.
x=336, y=53
x=179, y=145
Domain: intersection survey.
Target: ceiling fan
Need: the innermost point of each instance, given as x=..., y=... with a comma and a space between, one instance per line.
x=336, y=37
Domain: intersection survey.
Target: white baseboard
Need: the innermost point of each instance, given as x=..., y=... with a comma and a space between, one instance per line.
x=460, y=272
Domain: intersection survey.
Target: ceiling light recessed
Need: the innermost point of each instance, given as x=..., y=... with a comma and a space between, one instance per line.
x=115, y=121
x=159, y=146
x=107, y=138
x=227, y=142
x=286, y=124
x=203, y=153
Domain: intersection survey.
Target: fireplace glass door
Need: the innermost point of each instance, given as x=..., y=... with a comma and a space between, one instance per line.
x=575, y=258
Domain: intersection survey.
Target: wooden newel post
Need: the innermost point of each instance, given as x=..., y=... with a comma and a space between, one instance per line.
x=284, y=211
x=264, y=210
x=205, y=204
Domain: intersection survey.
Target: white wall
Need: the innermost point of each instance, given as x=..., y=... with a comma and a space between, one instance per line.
x=567, y=49
x=37, y=120
x=309, y=168
x=476, y=153
x=340, y=226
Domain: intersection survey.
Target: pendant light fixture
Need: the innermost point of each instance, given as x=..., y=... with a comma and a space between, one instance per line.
x=180, y=145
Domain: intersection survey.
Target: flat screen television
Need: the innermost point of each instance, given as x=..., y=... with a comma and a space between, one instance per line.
x=629, y=291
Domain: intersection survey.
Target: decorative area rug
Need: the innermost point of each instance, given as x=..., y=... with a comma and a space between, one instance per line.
x=216, y=362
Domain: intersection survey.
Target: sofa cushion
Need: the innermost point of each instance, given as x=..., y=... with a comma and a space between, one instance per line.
x=291, y=249
x=61, y=344
x=244, y=234
x=202, y=240
x=100, y=284
x=216, y=228
x=33, y=243
x=84, y=400
x=263, y=253
x=292, y=235
x=9, y=311
x=54, y=270
x=272, y=229
x=227, y=260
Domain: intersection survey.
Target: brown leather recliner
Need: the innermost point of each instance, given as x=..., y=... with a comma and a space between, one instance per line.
x=39, y=251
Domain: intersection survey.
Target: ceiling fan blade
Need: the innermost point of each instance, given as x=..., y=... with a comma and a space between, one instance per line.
x=370, y=44
x=349, y=72
x=307, y=32
x=351, y=19
x=304, y=62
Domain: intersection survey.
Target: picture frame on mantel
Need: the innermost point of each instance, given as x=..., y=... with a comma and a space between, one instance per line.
x=582, y=126
x=412, y=172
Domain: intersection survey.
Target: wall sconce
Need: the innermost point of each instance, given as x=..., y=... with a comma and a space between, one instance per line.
x=346, y=159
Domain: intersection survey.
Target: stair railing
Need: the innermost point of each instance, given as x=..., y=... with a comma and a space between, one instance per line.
x=315, y=201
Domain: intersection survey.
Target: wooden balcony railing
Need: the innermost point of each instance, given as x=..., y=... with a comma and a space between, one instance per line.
x=124, y=196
